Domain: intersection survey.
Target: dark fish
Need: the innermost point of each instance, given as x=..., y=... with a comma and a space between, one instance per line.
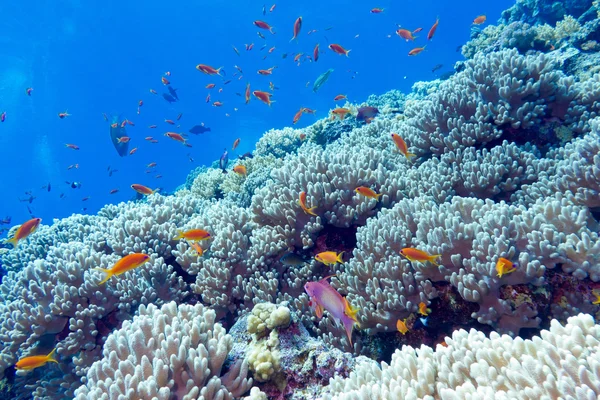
x=260, y=35
x=284, y=55
x=74, y=184
x=117, y=131
x=173, y=92
x=264, y=9
x=5, y=221
x=226, y=82
x=49, y=186
x=169, y=98
x=329, y=28
x=223, y=161
x=292, y=259
x=436, y=67
x=238, y=94
x=246, y=155
x=367, y=113
x=62, y=195
x=198, y=129
x=30, y=212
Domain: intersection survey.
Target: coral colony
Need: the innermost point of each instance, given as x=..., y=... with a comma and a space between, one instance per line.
x=466, y=266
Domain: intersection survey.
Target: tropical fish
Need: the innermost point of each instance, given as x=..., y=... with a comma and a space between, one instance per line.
x=124, y=139
x=340, y=112
x=169, y=98
x=416, y=51
x=504, y=267
x=247, y=93
x=31, y=362
x=316, y=53
x=401, y=145
x=401, y=326
x=367, y=192
x=302, y=203
x=28, y=91
x=125, y=264
x=264, y=25
x=340, y=97
x=223, y=161
x=164, y=80
x=419, y=255
x=141, y=189
x=173, y=92
x=405, y=34
x=236, y=50
x=433, y=29
x=297, y=116
x=72, y=146
x=376, y=10
x=208, y=70
x=423, y=310
x=330, y=258
x=196, y=246
x=236, y=143
x=272, y=8
x=3, y=116
x=265, y=97
x=193, y=234
x=292, y=259
x=417, y=30
x=336, y=48
x=268, y=71
x=321, y=80
x=113, y=191
x=367, y=113
x=297, y=28
x=240, y=170
x=597, y=295
x=117, y=130
x=324, y=297
x=62, y=115
x=175, y=136
x=479, y=20
x=198, y=129
x=26, y=229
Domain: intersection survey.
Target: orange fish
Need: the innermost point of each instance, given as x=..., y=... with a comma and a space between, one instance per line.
x=377, y=10
x=114, y=125
x=168, y=73
x=153, y=91
x=297, y=57
x=32, y=362
x=72, y=146
x=419, y=255
x=479, y=20
x=316, y=53
x=175, y=136
x=297, y=27
x=63, y=115
x=210, y=86
x=196, y=246
x=330, y=258
x=265, y=71
x=272, y=49
x=405, y=34
x=208, y=70
x=504, y=266
x=208, y=98
x=416, y=51
x=26, y=229
x=123, y=139
x=151, y=165
x=423, y=310
x=217, y=104
x=308, y=110
x=113, y=191
x=302, y=203
x=170, y=121
x=340, y=112
x=123, y=123
x=297, y=116
x=401, y=145
x=265, y=97
x=367, y=192
x=336, y=48
x=417, y=30
x=193, y=234
x=401, y=326
x=149, y=138
x=28, y=91
x=340, y=97
x=236, y=143
x=141, y=189
x=153, y=141
x=240, y=170
x=125, y=264
x=263, y=25
x=433, y=29
x=164, y=81
x=247, y=93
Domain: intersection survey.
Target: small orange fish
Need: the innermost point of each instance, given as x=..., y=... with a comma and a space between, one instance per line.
x=376, y=10
x=302, y=203
x=151, y=165
x=26, y=229
x=31, y=362
x=210, y=86
x=416, y=51
x=113, y=191
x=316, y=53
x=297, y=28
x=504, y=267
x=419, y=255
x=63, y=115
x=433, y=29
x=265, y=97
x=164, y=81
x=340, y=112
x=141, y=189
x=125, y=264
x=264, y=25
x=340, y=97
x=417, y=30
x=72, y=146
x=153, y=141
x=330, y=258
x=196, y=246
x=175, y=136
x=123, y=123
x=405, y=34
x=297, y=57
x=149, y=138
x=423, y=310
x=170, y=121
x=114, y=125
x=153, y=91
x=268, y=71
x=123, y=139
x=308, y=110
x=208, y=70
x=240, y=170
x=401, y=326
x=368, y=192
x=236, y=143
x=193, y=234
x=479, y=20
x=297, y=116
x=247, y=94
x=336, y=48
x=272, y=49
x=401, y=145
x=217, y=104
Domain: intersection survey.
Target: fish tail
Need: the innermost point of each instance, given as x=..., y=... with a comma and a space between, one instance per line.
x=50, y=356
x=108, y=273
x=433, y=259
x=348, y=323
x=179, y=235
x=347, y=52
x=311, y=211
x=14, y=241
x=339, y=257
x=219, y=71
x=378, y=195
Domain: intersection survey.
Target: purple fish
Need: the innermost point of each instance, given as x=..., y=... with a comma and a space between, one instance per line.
x=223, y=161
x=367, y=113
x=324, y=296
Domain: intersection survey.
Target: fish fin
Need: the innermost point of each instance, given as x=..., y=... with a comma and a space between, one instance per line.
x=349, y=310
x=324, y=280
x=108, y=275
x=340, y=258
x=50, y=356
x=179, y=235
x=433, y=258
x=311, y=212
x=348, y=51
x=348, y=323
x=378, y=195
x=14, y=241
x=319, y=311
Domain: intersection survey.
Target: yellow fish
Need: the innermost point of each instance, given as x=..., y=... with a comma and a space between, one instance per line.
x=423, y=310
x=504, y=266
x=32, y=362
x=125, y=264
x=330, y=258
x=401, y=326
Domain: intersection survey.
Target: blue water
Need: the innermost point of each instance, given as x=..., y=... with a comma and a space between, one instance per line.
x=92, y=58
